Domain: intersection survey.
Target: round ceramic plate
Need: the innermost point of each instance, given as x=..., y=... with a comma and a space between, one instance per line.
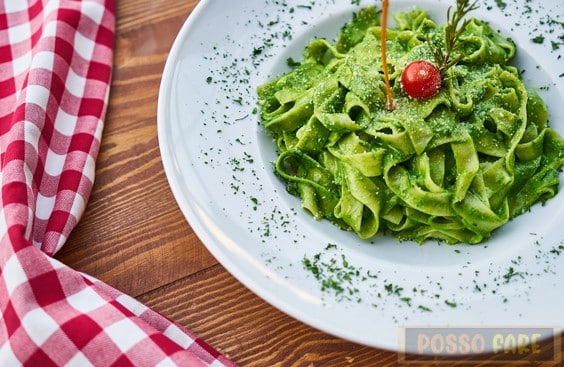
x=218, y=161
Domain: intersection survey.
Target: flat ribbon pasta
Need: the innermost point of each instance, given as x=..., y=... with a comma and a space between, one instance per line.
x=453, y=168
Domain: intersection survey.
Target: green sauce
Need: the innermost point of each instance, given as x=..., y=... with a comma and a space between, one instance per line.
x=453, y=168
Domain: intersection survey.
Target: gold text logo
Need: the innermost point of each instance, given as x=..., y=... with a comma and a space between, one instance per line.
x=494, y=344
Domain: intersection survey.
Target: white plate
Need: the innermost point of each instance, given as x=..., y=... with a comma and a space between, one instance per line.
x=219, y=165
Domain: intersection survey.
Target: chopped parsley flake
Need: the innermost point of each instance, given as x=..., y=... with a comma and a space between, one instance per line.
x=334, y=276
x=501, y=4
x=538, y=39
x=450, y=303
x=511, y=273
x=424, y=308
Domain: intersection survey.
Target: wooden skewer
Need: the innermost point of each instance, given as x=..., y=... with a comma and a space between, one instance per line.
x=383, y=39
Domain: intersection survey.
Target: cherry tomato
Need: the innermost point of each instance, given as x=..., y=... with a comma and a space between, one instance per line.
x=421, y=79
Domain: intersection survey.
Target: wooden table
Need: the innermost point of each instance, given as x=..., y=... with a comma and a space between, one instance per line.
x=134, y=237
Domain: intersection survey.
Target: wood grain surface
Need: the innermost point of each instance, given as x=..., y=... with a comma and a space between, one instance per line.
x=134, y=237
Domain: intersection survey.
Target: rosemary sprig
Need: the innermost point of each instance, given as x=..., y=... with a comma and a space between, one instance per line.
x=453, y=29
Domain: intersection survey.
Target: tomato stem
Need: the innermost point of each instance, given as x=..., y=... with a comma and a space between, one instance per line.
x=383, y=39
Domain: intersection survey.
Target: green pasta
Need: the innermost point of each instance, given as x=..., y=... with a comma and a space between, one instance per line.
x=451, y=168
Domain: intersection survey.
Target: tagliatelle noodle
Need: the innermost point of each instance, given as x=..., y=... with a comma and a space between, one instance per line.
x=454, y=167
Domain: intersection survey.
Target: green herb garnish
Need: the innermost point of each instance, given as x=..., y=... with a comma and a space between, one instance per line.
x=450, y=303
x=453, y=30
x=511, y=273
x=538, y=39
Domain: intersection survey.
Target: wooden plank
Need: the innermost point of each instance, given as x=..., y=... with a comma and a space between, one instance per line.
x=133, y=236
x=242, y=326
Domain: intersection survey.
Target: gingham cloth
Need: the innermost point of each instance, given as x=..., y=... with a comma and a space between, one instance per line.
x=55, y=71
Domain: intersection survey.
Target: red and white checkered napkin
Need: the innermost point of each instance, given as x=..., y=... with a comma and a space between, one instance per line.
x=55, y=70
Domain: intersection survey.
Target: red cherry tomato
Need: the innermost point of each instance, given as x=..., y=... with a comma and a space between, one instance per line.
x=421, y=79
